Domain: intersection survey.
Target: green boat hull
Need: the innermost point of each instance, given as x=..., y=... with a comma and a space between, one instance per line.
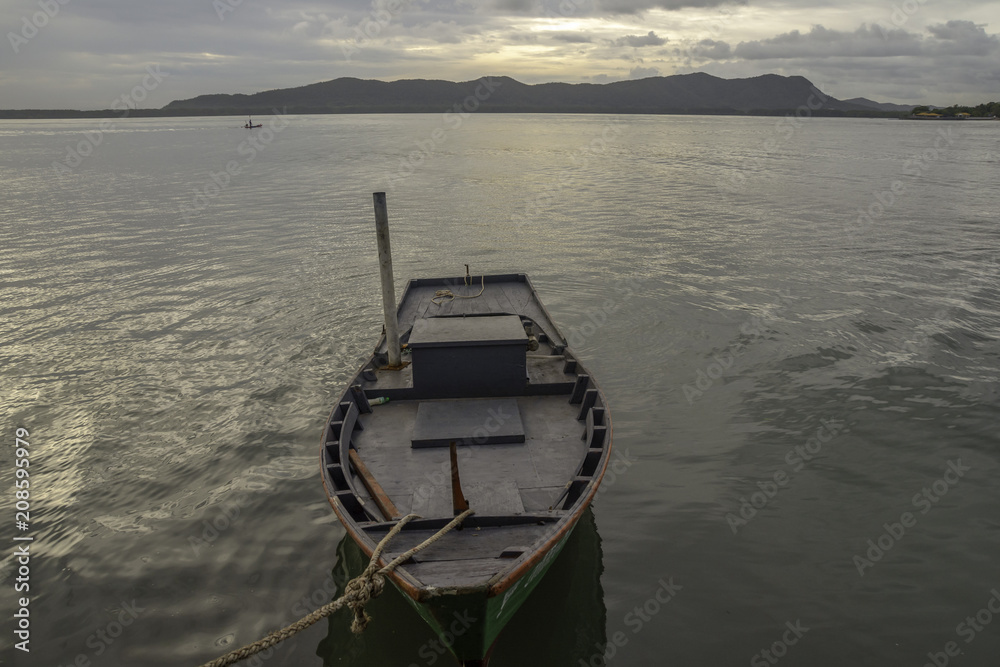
x=468, y=624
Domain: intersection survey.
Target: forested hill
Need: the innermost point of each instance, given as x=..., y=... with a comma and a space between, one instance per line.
x=682, y=93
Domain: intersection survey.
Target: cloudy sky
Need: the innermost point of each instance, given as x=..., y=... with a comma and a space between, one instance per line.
x=86, y=53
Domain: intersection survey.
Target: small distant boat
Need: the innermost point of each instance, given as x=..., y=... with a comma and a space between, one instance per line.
x=249, y=124
x=491, y=412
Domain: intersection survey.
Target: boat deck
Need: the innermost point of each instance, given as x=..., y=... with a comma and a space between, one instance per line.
x=500, y=294
x=529, y=429
x=498, y=479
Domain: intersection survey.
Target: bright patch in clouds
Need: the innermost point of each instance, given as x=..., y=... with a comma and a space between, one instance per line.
x=560, y=25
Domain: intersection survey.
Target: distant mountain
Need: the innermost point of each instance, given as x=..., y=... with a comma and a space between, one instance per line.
x=881, y=106
x=682, y=93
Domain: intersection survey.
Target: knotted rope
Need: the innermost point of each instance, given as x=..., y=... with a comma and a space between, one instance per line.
x=358, y=592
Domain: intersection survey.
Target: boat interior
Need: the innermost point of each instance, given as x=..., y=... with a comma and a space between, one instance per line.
x=488, y=408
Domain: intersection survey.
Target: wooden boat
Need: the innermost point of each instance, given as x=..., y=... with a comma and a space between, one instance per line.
x=490, y=407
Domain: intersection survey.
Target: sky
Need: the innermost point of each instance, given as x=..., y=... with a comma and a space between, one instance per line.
x=86, y=54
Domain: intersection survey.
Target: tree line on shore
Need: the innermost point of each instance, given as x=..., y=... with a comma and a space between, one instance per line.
x=984, y=110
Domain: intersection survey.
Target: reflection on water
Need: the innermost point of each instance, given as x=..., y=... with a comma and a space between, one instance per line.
x=561, y=623
x=175, y=372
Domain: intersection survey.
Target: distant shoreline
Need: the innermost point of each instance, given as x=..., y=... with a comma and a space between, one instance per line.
x=54, y=114
x=950, y=118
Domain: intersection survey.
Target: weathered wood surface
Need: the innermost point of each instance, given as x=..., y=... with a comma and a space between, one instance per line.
x=385, y=269
x=456, y=573
x=467, y=544
x=549, y=456
x=513, y=298
x=464, y=421
x=375, y=490
x=492, y=498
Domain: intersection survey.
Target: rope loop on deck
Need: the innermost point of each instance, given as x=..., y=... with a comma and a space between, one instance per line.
x=443, y=295
x=358, y=592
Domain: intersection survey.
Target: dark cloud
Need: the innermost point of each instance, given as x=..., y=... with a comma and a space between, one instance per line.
x=649, y=39
x=963, y=38
x=710, y=49
x=872, y=41
x=958, y=30
x=602, y=78
x=940, y=65
x=638, y=72
x=866, y=41
x=572, y=37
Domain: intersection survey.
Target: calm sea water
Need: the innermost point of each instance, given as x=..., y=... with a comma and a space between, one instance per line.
x=796, y=324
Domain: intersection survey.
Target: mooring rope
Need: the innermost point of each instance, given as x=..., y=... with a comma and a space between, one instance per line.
x=448, y=295
x=358, y=592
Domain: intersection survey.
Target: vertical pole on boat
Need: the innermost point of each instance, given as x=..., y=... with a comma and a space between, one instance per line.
x=388, y=289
